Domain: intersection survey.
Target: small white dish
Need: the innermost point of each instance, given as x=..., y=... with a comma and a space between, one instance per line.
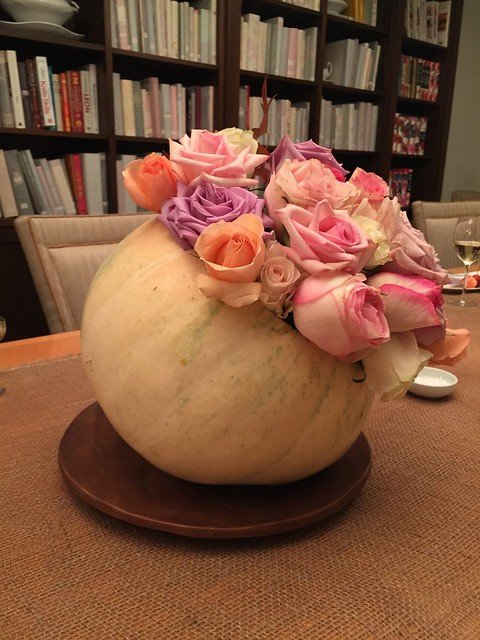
x=433, y=383
x=41, y=27
x=52, y=11
x=335, y=7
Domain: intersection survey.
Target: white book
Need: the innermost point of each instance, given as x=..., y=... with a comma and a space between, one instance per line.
x=195, y=24
x=7, y=197
x=150, y=25
x=86, y=101
x=127, y=107
x=123, y=35
x=262, y=46
x=311, y=35
x=45, y=92
x=244, y=29
x=113, y=25
x=182, y=110
x=159, y=10
x=117, y=105
x=351, y=130
x=204, y=36
x=169, y=28
x=58, y=205
x=16, y=93
x=252, y=21
x=373, y=136
x=275, y=27
x=367, y=68
x=375, y=62
x=147, y=114
x=57, y=101
x=58, y=173
x=33, y=181
x=360, y=64
x=351, y=54
x=285, y=45
x=300, y=65
x=213, y=31
x=444, y=11
x=174, y=6
x=132, y=15
x=92, y=178
x=51, y=207
x=166, y=113
x=129, y=206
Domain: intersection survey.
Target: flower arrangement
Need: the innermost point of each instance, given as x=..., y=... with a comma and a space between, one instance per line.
x=335, y=257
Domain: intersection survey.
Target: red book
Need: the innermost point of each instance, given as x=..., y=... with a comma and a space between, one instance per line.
x=75, y=101
x=34, y=94
x=74, y=166
x=67, y=123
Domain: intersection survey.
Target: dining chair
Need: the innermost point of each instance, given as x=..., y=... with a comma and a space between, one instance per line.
x=437, y=221
x=461, y=196
x=64, y=253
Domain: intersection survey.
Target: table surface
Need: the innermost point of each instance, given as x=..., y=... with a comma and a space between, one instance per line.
x=401, y=562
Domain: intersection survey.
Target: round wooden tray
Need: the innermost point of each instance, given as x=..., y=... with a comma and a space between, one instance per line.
x=106, y=473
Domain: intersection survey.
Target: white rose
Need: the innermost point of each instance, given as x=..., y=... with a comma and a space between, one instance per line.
x=240, y=139
x=376, y=232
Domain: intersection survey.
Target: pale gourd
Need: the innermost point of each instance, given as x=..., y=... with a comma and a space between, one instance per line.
x=203, y=391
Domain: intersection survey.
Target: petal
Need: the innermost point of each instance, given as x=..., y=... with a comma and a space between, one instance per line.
x=392, y=368
x=235, y=294
x=406, y=309
x=450, y=349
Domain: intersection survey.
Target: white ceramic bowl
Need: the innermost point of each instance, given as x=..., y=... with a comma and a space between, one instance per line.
x=336, y=6
x=52, y=11
x=433, y=383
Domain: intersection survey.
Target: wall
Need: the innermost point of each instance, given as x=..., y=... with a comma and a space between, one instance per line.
x=462, y=166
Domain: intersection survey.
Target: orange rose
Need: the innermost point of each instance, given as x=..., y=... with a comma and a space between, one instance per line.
x=151, y=181
x=450, y=349
x=233, y=253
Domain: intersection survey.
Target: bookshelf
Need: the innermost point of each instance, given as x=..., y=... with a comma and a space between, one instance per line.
x=226, y=76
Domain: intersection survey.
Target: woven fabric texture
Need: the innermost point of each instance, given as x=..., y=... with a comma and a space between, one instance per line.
x=401, y=562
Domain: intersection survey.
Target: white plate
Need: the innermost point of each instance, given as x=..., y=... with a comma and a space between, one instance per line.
x=433, y=383
x=456, y=280
x=41, y=27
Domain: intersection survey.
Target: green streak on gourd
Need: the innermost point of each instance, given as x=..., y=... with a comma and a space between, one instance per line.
x=194, y=333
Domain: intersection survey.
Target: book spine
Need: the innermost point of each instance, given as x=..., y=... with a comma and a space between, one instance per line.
x=45, y=93
x=57, y=202
x=75, y=99
x=45, y=188
x=152, y=40
x=67, y=123
x=133, y=24
x=104, y=182
x=74, y=166
x=6, y=107
x=57, y=101
x=22, y=74
x=92, y=72
x=19, y=186
x=122, y=25
x=118, y=105
x=33, y=182
x=137, y=109
x=86, y=101
x=127, y=107
x=60, y=178
x=15, y=90
x=7, y=196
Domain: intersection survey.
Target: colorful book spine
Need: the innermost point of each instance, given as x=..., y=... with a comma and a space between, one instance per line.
x=75, y=100
x=74, y=166
x=45, y=92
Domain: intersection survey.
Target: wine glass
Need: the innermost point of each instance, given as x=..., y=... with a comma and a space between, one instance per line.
x=466, y=239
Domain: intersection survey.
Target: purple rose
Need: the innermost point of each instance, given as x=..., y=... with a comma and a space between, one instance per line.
x=193, y=209
x=288, y=150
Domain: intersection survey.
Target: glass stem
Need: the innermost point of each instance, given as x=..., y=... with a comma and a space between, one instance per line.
x=463, y=299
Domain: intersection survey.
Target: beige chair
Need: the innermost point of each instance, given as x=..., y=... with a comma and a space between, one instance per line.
x=462, y=196
x=437, y=221
x=64, y=253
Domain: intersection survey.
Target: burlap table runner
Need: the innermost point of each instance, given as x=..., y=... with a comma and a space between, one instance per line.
x=402, y=562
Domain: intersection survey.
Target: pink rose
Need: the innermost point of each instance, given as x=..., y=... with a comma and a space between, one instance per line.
x=212, y=157
x=325, y=240
x=278, y=277
x=411, y=302
x=391, y=369
x=370, y=185
x=151, y=181
x=341, y=315
x=305, y=183
x=233, y=253
x=288, y=150
x=410, y=253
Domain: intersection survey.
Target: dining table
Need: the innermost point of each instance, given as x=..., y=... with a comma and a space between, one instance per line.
x=400, y=562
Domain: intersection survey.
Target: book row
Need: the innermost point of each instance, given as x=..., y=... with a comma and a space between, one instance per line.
x=400, y=183
x=351, y=126
x=76, y=183
x=166, y=28
x=428, y=20
x=351, y=63
x=124, y=203
x=307, y=4
x=150, y=109
x=419, y=78
x=365, y=11
x=269, y=46
x=409, y=134
x=284, y=117
x=32, y=97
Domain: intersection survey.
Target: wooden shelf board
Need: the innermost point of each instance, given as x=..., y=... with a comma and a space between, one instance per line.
x=142, y=140
x=354, y=152
x=331, y=88
x=54, y=40
x=270, y=77
x=335, y=23
x=410, y=156
x=412, y=44
x=176, y=62
x=51, y=134
x=416, y=101
x=281, y=8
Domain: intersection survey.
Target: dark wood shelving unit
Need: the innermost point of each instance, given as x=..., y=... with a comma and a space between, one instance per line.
x=94, y=21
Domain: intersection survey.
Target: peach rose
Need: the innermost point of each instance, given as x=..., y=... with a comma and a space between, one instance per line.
x=233, y=253
x=278, y=276
x=304, y=183
x=213, y=157
x=451, y=348
x=150, y=182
